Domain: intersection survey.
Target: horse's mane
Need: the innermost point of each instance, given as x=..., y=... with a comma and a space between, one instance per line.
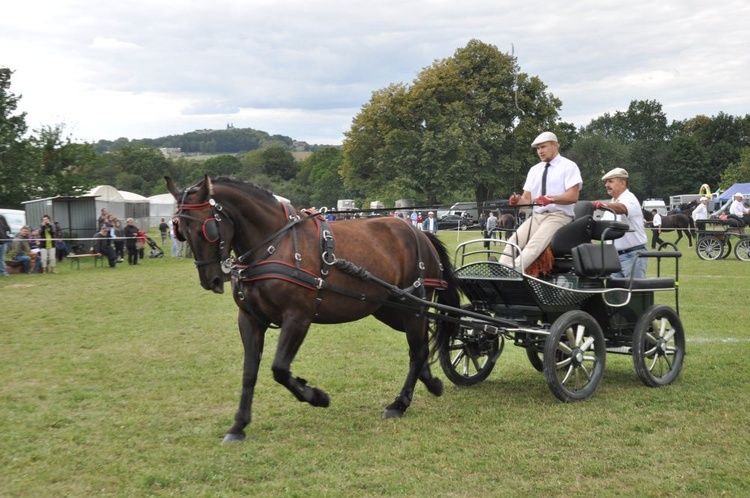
x=248, y=188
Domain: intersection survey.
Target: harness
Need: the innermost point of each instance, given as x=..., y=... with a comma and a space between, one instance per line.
x=245, y=269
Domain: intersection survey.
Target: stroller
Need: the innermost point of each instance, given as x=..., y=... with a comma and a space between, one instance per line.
x=155, y=251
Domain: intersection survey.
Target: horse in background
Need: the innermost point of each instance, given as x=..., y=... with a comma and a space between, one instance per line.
x=680, y=222
x=507, y=223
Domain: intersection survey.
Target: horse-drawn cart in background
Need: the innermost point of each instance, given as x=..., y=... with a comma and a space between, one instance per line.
x=714, y=239
x=567, y=321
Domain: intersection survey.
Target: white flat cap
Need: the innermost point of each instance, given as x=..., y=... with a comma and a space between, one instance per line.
x=547, y=136
x=703, y=199
x=616, y=173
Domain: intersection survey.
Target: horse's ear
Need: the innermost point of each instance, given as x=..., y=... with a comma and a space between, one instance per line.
x=206, y=189
x=172, y=188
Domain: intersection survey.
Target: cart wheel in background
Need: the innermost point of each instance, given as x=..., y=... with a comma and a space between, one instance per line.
x=658, y=346
x=574, y=356
x=709, y=248
x=727, y=248
x=742, y=250
x=469, y=358
x=535, y=358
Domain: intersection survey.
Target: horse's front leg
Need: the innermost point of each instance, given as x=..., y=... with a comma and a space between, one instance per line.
x=419, y=352
x=253, y=335
x=293, y=332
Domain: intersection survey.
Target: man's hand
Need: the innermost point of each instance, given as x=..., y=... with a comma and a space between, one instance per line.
x=599, y=205
x=543, y=200
x=513, y=201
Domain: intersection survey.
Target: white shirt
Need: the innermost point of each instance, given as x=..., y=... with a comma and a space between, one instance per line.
x=700, y=212
x=561, y=175
x=737, y=208
x=637, y=236
x=656, y=222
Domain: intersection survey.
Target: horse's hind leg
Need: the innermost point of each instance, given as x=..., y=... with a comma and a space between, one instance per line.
x=253, y=335
x=293, y=332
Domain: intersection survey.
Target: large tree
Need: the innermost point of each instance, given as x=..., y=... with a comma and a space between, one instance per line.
x=463, y=126
x=19, y=161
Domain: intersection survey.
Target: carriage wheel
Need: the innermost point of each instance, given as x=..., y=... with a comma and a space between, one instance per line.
x=658, y=346
x=574, y=356
x=727, y=248
x=742, y=250
x=709, y=248
x=469, y=357
x=535, y=358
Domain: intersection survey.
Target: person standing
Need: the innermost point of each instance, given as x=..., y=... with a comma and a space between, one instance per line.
x=118, y=233
x=47, y=251
x=5, y=240
x=414, y=217
x=163, y=230
x=656, y=224
x=553, y=185
x=491, y=225
x=628, y=209
x=177, y=244
x=430, y=224
x=131, y=234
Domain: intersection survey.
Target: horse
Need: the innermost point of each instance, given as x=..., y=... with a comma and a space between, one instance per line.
x=679, y=221
x=290, y=269
x=507, y=223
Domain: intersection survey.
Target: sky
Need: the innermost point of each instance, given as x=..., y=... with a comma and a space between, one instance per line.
x=304, y=69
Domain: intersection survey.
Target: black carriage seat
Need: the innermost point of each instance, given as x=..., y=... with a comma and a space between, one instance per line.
x=601, y=260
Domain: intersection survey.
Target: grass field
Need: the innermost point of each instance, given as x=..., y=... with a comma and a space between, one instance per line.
x=123, y=382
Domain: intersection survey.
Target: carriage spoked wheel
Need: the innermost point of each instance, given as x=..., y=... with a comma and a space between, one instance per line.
x=709, y=248
x=742, y=250
x=469, y=357
x=658, y=346
x=727, y=248
x=574, y=356
x=535, y=358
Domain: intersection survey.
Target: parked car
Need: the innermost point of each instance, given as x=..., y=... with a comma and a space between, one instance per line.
x=454, y=222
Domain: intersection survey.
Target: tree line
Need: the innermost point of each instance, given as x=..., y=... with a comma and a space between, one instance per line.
x=460, y=131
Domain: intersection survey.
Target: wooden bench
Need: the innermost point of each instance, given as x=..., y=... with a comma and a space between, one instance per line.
x=76, y=259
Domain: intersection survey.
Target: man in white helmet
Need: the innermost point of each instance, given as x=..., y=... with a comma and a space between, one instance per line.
x=553, y=186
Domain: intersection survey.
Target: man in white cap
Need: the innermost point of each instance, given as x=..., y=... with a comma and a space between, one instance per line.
x=701, y=210
x=738, y=208
x=628, y=209
x=430, y=224
x=553, y=186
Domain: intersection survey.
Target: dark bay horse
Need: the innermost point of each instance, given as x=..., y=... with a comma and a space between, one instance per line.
x=669, y=223
x=292, y=269
x=507, y=223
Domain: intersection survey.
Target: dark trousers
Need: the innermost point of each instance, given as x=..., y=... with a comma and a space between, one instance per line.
x=656, y=240
x=132, y=255
x=111, y=255
x=120, y=249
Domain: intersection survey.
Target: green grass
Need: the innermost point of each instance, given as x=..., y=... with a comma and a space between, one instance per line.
x=123, y=382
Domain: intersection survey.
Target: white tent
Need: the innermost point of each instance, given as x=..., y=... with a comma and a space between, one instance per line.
x=161, y=206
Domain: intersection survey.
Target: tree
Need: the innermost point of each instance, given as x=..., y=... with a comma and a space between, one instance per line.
x=456, y=128
x=62, y=163
x=738, y=172
x=19, y=164
x=320, y=172
x=275, y=162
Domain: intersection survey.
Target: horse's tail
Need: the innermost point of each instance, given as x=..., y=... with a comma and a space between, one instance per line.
x=450, y=296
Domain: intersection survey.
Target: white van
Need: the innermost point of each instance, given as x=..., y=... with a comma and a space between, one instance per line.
x=658, y=204
x=15, y=218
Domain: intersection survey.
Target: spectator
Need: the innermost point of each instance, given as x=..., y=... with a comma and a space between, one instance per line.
x=61, y=247
x=553, y=185
x=430, y=224
x=177, y=245
x=626, y=205
x=5, y=240
x=103, y=218
x=163, y=230
x=36, y=249
x=119, y=233
x=47, y=251
x=131, y=233
x=140, y=243
x=103, y=245
x=491, y=225
x=420, y=220
x=22, y=249
x=414, y=217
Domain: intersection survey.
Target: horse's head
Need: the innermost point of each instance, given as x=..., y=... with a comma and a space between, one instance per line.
x=200, y=222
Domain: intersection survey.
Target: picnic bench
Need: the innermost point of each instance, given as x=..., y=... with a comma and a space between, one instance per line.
x=76, y=259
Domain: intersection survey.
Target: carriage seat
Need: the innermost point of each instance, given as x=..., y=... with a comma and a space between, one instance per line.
x=601, y=260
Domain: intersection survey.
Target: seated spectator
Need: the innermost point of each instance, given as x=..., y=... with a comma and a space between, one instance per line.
x=22, y=249
x=103, y=245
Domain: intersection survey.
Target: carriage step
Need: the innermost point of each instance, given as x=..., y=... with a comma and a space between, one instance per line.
x=641, y=283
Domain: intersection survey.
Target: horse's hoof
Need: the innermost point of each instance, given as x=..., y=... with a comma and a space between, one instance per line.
x=233, y=438
x=435, y=386
x=393, y=413
x=320, y=398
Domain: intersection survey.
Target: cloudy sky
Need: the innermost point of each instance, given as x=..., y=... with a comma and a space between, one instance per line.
x=304, y=68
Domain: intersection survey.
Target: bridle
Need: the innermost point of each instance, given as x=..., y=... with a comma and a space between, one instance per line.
x=210, y=229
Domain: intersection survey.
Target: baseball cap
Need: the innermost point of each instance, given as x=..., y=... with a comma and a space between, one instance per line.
x=547, y=136
x=616, y=173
